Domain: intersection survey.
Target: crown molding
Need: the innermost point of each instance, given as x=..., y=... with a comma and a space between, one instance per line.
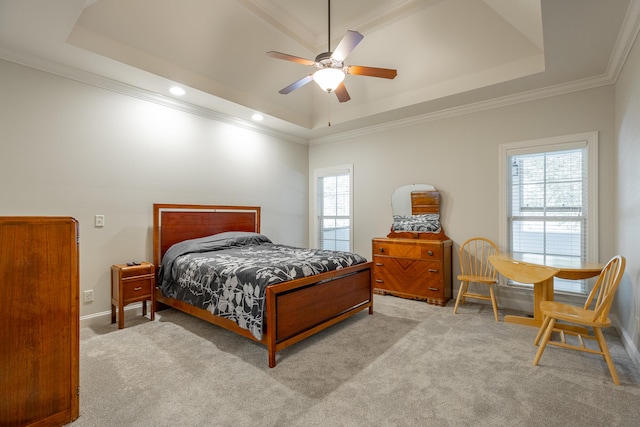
x=624, y=43
x=499, y=102
x=145, y=95
x=136, y=92
x=626, y=37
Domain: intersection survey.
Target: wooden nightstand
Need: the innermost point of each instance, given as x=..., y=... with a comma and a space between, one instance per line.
x=132, y=283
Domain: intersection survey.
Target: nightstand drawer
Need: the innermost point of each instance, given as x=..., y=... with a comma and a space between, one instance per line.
x=138, y=287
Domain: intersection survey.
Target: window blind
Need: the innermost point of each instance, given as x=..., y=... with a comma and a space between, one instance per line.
x=547, y=207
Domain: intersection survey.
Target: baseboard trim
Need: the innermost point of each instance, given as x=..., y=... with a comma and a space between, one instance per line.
x=104, y=317
x=627, y=341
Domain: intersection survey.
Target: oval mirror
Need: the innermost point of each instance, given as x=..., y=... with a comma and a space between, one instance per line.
x=401, y=198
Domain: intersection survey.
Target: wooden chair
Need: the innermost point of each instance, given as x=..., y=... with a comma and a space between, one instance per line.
x=585, y=317
x=475, y=267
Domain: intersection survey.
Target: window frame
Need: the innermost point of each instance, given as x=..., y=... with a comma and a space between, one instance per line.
x=546, y=145
x=329, y=172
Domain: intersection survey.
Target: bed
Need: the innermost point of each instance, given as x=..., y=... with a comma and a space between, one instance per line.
x=293, y=309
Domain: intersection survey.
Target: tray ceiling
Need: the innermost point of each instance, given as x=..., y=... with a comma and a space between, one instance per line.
x=448, y=53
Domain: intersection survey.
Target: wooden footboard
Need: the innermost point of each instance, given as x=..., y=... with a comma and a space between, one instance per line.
x=303, y=307
x=300, y=308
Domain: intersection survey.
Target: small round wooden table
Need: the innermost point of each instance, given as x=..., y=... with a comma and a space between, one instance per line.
x=540, y=271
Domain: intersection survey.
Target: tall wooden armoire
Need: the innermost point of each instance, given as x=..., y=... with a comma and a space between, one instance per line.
x=39, y=321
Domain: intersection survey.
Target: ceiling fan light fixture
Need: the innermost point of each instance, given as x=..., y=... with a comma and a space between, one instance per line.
x=328, y=78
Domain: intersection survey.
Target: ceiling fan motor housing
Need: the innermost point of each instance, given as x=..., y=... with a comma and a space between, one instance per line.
x=324, y=60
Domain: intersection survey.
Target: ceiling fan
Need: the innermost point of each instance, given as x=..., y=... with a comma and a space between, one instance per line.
x=330, y=69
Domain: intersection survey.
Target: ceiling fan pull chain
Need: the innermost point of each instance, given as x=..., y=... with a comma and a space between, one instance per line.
x=329, y=111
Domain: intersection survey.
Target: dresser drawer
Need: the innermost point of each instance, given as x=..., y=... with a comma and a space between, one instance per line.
x=406, y=275
x=434, y=289
x=406, y=267
x=431, y=251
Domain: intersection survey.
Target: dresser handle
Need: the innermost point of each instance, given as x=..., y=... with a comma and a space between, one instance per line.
x=430, y=253
x=431, y=270
x=380, y=249
x=138, y=288
x=434, y=289
x=379, y=264
x=379, y=281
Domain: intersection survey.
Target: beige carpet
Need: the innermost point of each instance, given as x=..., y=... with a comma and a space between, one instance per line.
x=410, y=364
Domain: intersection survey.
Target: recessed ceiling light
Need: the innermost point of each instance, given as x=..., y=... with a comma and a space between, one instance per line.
x=177, y=91
x=257, y=117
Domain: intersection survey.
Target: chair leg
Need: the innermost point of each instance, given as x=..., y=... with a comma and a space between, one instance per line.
x=461, y=291
x=606, y=355
x=465, y=289
x=494, y=303
x=543, y=327
x=545, y=339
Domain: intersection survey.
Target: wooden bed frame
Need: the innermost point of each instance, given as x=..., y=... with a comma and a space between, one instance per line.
x=295, y=309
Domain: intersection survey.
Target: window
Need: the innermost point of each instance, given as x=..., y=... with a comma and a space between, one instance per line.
x=549, y=200
x=333, y=208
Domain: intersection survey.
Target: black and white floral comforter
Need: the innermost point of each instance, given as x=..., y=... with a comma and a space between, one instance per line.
x=227, y=273
x=428, y=223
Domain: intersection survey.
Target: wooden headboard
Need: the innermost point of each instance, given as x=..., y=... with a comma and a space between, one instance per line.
x=173, y=223
x=425, y=202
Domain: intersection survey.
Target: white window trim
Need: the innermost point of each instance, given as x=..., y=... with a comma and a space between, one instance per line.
x=553, y=144
x=331, y=171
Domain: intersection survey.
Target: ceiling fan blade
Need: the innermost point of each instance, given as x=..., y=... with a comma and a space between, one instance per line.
x=341, y=93
x=295, y=85
x=346, y=45
x=291, y=58
x=385, y=73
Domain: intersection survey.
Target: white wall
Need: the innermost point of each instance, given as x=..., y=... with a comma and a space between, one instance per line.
x=71, y=149
x=459, y=156
x=627, y=125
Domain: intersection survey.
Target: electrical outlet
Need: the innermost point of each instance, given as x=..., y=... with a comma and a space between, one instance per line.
x=88, y=295
x=99, y=220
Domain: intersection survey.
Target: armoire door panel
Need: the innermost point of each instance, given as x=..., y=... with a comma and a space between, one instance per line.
x=39, y=320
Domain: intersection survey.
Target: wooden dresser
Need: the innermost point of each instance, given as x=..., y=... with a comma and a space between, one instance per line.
x=39, y=321
x=413, y=268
